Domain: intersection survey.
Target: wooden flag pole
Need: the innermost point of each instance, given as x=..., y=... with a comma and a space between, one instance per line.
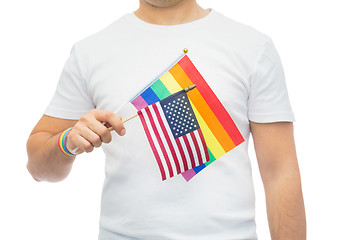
x=131, y=117
x=187, y=89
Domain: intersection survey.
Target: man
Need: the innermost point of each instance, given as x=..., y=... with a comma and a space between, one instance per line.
x=106, y=69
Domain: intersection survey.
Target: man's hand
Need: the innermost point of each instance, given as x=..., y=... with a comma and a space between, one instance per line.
x=46, y=162
x=89, y=132
x=276, y=154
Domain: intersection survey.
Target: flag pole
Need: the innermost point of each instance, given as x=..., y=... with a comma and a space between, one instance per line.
x=187, y=89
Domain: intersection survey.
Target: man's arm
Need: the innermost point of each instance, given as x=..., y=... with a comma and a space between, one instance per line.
x=276, y=154
x=46, y=162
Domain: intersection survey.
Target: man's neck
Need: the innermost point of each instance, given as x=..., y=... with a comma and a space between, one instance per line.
x=185, y=11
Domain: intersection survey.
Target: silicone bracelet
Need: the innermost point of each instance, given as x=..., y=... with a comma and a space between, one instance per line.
x=61, y=142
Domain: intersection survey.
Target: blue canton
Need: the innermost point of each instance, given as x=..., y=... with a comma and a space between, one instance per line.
x=179, y=114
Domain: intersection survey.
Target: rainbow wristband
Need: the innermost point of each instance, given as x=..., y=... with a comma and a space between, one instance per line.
x=61, y=142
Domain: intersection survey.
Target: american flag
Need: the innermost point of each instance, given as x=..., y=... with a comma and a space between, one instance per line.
x=174, y=135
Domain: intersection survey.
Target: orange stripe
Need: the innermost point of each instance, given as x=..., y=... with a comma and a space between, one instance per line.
x=203, y=108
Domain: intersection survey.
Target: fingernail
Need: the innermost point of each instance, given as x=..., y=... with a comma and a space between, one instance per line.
x=123, y=131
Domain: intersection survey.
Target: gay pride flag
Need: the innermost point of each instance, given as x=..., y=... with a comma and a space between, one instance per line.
x=219, y=130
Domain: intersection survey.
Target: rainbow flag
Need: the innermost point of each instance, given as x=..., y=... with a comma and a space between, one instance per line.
x=219, y=130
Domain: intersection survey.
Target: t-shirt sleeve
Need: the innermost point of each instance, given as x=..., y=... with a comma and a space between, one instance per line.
x=72, y=98
x=268, y=100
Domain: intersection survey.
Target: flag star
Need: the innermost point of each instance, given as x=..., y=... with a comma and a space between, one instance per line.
x=190, y=127
x=186, y=103
x=183, y=97
x=187, y=112
x=192, y=120
x=181, y=131
x=173, y=118
x=190, y=114
x=194, y=125
x=171, y=122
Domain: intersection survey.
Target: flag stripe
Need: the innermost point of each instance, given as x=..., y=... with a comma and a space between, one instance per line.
x=172, y=85
x=154, y=138
x=179, y=145
x=149, y=138
x=160, y=90
x=185, y=149
x=209, y=137
x=205, y=149
x=166, y=135
x=139, y=103
x=212, y=100
x=200, y=146
x=175, y=146
x=203, y=109
x=160, y=142
x=193, y=149
x=163, y=137
x=149, y=96
x=186, y=141
x=198, y=151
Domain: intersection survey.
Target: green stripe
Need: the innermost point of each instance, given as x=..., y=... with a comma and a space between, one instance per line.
x=212, y=158
x=160, y=90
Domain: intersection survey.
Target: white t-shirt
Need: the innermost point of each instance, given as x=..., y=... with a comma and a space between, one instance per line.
x=104, y=71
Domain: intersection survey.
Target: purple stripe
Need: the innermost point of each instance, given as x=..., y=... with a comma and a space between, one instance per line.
x=139, y=103
x=189, y=174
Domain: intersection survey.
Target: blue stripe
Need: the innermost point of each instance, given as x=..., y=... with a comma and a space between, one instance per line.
x=149, y=96
x=199, y=168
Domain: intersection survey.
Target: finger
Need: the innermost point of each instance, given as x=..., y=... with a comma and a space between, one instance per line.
x=83, y=145
x=91, y=137
x=113, y=119
x=100, y=130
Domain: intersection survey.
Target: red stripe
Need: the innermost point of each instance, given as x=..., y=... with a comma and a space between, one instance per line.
x=160, y=142
x=187, y=144
x=205, y=148
x=212, y=100
x=198, y=151
x=155, y=152
x=180, y=147
x=167, y=137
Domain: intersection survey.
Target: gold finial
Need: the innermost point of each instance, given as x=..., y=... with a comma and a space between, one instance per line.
x=185, y=50
x=187, y=89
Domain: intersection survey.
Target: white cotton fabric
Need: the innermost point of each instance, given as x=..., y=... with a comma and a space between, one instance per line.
x=106, y=69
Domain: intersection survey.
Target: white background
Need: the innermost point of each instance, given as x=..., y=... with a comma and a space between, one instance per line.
x=36, y=38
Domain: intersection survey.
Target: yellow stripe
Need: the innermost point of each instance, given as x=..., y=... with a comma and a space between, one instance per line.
x=203, y=108
x=170, y=83
x=215, y=147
